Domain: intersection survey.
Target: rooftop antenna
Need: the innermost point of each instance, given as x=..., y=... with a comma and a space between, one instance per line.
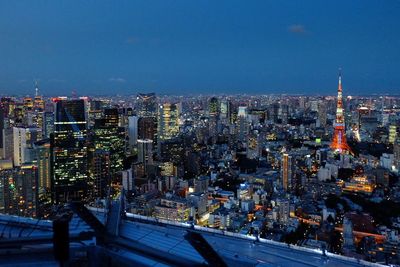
x=36, y=88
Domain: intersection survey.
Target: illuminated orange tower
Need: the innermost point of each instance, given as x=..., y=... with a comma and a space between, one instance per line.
x=339, y=143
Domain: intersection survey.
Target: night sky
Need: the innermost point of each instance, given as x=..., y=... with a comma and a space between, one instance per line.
x=175, y=47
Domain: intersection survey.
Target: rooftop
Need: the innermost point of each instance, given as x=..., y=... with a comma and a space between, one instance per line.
x=149, y=242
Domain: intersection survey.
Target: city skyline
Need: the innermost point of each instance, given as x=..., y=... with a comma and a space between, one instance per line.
x=316, y=172
x=210, y=133
x=258, y=48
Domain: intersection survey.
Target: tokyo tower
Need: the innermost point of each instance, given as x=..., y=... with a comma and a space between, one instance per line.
x=339, y=143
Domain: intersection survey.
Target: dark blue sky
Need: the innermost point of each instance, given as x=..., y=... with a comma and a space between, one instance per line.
x=99, y=47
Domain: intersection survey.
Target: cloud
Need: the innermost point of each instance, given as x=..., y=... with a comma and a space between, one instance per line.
x=117, y=80
x=297, y=29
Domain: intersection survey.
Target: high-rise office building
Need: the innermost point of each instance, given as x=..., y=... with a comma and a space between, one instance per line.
x=145, y=152
x=242, y=124
x=2, y=118
x=38, y=103
x=43, y=162
x=284, y=113
x=168, y=121
x=28, y=103
x=213, y=111
x=70, y=167
x=225, y=109
x=8, y=143
x=213, y=107
x=18, y=114
x=43, y=159
x=8, y=105
x=392, y=134
x=242, y=111
x=124, y=114
x=273, y=112
x=147, y=105
x=48, y=124
x=23, y=140
x=111, y=117
x=18, y=191
x=127, y=180
x=99, y=173
x=173, y=150
x=322, y=116
x=133, y=130
x=147, y=128
x=287, y=171
x=37, y=121
x=396, y=153
x=213, y=127
x=108, y=136
x=283, y=210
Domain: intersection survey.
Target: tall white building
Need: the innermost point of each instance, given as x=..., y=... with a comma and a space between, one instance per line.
x=242, y=124
x=133, y=130
x=23, y=140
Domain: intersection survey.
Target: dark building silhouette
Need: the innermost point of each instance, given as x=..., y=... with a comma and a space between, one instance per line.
x=70, y=164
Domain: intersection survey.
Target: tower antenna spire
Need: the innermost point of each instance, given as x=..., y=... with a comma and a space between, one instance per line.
x=339, y=142
x=36, y=88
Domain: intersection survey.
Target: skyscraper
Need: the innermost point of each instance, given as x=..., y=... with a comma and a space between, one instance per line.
x=70, y=168
x=147, y=128
x=213, y=110
x=2, y=117
x=109, y=137
x=43, y=157
x=18, y=191
x=283, y=210
x=213, y=107
x=242, y=124
x=168, y=121
x=225, y=110
x=133, y=130
x=145, y=152
x=147, y=105
x=8, y=143
x=8, y=105
x=48, y=124
x=322, y=114
x=43, y=162
x=23, y=140
x=99, y=173
x=28, y=103
x=287, y=171
x=392, y=134
x=339, y=142
x=396, y=153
